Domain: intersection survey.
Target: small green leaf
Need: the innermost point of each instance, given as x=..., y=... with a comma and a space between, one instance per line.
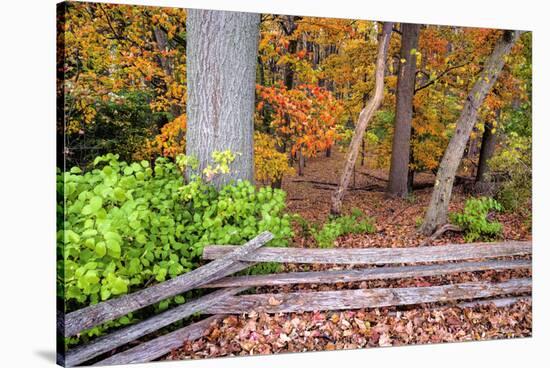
x=96, y=203
x=100, y=249
x=114, y=248
x=119, y=286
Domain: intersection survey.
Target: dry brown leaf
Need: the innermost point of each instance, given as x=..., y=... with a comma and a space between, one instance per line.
x=274, y=302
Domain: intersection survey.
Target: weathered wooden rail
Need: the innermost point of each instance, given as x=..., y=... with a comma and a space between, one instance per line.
x=227, y=260
x=372, y=256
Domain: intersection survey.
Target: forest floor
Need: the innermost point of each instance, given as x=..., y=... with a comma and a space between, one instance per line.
x=396, y=226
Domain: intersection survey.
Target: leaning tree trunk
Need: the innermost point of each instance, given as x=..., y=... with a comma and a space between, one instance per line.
x=401, y=145
x=436, y=214
x=488, y=144
x=221, y=71
x=364, y=117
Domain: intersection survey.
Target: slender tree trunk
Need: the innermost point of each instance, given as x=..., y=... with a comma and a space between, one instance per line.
x=436, y=214
x=280, y=147
x=328, y=151
x=488, y=144
x=410, y=174
x=289, y=26
x=277, y=183
x=410, y=180
x=301, y=162
x=364, y=117
x=161, y=38
x=221, y=75
x=261, y=72
x=399, y=168
x=363, y=152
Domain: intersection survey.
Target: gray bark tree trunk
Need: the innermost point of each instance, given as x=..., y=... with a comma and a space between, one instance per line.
x=364, y=117
x=221, y=75
x=488, y=144
x=401, y=145
x=436, y=214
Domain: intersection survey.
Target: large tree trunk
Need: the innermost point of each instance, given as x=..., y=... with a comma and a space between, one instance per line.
x=488, y=144
x=221, y=75
x=436, y=214
x=364, y=117
x=399, y=168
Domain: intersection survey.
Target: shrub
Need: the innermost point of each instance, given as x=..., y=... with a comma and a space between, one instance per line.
x=304, y=227
x=474, y=220
x=270, y=165
x=122, y=123
x=513, y=160
x=122, y=226
x=169, y=142
x=356, y=223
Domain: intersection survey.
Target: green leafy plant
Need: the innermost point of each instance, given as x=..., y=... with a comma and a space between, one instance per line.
x=126, y=225
x=474, y=220
x=513, y=161
x=356, y=223
x=304, y=226
x=418, y=222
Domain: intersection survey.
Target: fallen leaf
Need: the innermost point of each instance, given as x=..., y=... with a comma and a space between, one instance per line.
x=273, y=301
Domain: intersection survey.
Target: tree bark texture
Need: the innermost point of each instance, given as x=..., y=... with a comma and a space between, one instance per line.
x=364, y=117
x=399, y=167
x=488, y=144
x=221, y=75
x=436, y=214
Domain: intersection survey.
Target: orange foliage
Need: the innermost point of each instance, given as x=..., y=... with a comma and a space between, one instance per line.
x=170, y=142
x=306, y=116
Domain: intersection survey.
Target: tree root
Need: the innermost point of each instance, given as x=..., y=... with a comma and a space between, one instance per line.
x=439, y=232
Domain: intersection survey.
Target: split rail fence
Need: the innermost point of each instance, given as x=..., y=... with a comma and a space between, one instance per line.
x=227, y=260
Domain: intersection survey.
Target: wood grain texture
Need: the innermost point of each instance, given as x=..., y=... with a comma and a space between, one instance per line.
x=161, y=345
x=108, y=342
x=106, y=311
x=331, y=277
x=453, y=252
x=365, y=298
x=497, y=302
